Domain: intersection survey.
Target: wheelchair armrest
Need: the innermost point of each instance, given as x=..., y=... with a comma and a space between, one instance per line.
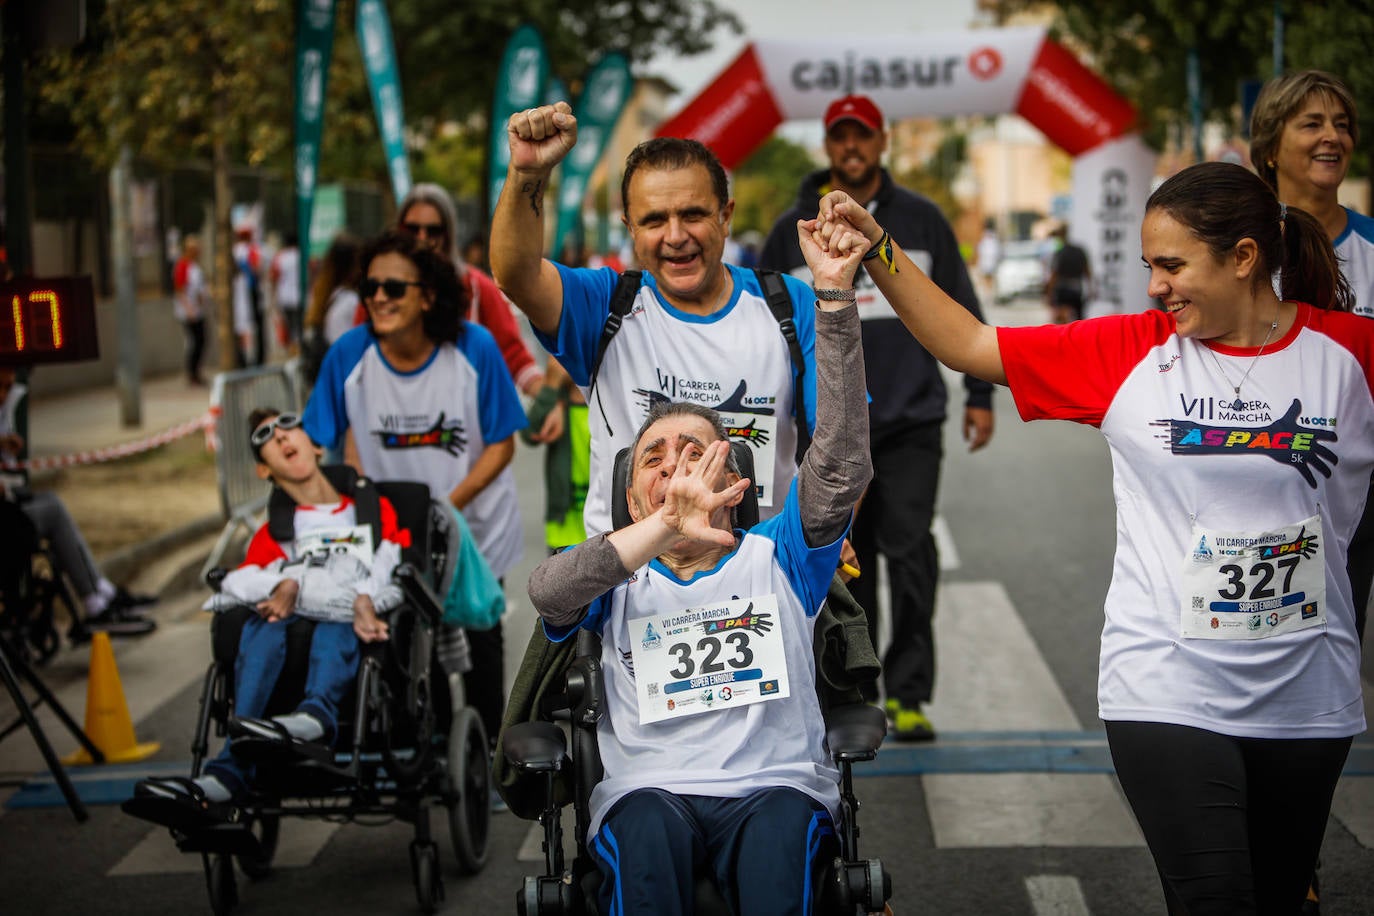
x=537, y=747
x=215, y=577
x=855, y=731
x=418, y=593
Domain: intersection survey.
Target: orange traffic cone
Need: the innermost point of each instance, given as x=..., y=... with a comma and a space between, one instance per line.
x=107, y=714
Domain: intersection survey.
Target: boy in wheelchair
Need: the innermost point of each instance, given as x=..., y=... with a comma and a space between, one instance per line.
x=712, y=738
x=335, y=568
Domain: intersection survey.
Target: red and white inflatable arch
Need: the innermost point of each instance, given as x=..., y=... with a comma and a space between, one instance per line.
x=940, y=74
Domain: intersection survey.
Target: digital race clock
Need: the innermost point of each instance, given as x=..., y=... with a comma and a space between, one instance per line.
x=47, y=321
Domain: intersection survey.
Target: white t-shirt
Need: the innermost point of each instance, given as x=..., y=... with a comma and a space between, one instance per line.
x=1355, y=251
x=728, y=750
x=340, y=313
x=1299, y=449
x=429, y=424
x=287, y=265
x=734, y=360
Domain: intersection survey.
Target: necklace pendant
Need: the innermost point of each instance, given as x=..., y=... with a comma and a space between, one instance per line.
x=1237, y=404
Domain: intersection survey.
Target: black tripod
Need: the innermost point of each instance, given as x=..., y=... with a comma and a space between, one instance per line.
x=13, y=665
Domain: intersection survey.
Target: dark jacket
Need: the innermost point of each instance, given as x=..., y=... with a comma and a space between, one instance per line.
x=904, y=380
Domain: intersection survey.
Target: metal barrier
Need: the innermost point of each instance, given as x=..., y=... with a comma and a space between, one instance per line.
x=242, y=494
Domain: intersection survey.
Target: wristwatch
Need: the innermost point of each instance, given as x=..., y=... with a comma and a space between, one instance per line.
x=836, y=295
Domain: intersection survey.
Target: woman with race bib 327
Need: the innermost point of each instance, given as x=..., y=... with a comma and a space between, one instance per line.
x=1241, y=430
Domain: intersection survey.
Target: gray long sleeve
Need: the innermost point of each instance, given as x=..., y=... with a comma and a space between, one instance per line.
x=831, y=478
x=837, y=466
x=565, y=583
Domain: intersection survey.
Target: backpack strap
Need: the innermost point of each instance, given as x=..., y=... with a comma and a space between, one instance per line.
x=780, y=304
x=622, y=300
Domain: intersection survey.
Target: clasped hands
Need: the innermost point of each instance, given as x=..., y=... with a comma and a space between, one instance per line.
x=835, y=242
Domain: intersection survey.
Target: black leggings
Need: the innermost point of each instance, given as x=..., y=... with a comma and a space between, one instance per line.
x=1234, y=824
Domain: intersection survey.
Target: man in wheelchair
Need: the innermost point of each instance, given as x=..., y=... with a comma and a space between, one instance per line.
x=712, y=739
x=336, y=568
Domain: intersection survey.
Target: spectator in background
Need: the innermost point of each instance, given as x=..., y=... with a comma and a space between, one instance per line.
x=334, y=304
x=190, y=304
x=107, y=607
x=907, y=413
x=1067, y=286
x=247, y=299
x=988, y=256
x=475, y=252
x=286, y=285
x=427, y=213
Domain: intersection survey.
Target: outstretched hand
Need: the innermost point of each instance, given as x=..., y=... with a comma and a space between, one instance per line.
x=541, y=137
x=692, y=498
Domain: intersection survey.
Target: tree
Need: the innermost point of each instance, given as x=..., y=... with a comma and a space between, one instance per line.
x=181, y=78
x=449, y=52
x=765, y=184
x=1141, y=48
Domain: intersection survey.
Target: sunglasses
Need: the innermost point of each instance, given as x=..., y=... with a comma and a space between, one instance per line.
x=425, y=230
x=394, y=289
x=263, y=434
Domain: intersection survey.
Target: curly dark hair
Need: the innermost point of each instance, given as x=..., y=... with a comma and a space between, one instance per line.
x=443, y=321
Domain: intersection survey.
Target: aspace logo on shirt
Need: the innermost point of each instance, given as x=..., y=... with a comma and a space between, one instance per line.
x=1286, y=440
x=448, y=436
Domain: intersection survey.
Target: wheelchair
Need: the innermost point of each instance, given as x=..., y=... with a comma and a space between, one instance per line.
x=407, y=744
x=538, y=754
x=31, y=585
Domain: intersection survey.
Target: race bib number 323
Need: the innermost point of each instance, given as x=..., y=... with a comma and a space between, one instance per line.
x=709, y=658
x=1250, y=585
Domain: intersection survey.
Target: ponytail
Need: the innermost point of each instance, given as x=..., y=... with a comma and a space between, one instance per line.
x=1310, y=271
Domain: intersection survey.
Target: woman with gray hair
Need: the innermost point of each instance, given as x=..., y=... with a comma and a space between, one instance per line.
x=428, y=213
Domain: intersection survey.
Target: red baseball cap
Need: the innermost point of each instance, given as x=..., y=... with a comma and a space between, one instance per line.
x=854, y=108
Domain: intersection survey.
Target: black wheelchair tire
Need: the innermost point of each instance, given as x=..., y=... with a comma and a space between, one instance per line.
x=429, y=886
x=267, y=829
x=468, y=794
x=219, y=881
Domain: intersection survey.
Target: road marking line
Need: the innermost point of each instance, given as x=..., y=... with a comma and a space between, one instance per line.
x=299, y=843
x=1056, y=895
x=1027, y=809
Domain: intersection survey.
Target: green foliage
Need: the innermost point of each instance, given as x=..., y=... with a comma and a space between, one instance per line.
x=765, y=184
x=449, y=51
x=1141, y=48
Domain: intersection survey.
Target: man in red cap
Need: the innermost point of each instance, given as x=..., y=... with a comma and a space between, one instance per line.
x=908, y=394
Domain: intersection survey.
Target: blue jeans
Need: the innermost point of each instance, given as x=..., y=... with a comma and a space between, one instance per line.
x=261, y=657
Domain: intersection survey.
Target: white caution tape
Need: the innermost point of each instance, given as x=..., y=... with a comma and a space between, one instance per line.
x=114, y=452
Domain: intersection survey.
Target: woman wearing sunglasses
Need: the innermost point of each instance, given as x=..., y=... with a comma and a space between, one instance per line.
x=427, y=213
x=420, y=393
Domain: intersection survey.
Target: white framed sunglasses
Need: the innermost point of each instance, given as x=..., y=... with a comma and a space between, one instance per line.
x=263, y=434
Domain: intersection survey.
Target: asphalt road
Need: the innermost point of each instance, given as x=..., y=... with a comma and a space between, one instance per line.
x=1012, y=811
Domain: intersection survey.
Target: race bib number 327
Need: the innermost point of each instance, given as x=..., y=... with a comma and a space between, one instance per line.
x=707, y=659
x=1250, y=585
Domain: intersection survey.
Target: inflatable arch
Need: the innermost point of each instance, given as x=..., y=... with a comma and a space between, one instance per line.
x=941, y=74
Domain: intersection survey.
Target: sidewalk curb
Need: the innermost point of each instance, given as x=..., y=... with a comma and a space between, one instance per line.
x=126, y=562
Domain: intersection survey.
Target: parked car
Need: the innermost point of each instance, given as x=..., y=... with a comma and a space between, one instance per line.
x=1020, y=272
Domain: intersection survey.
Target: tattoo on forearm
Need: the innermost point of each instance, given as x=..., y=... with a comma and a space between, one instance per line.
x=534, y=193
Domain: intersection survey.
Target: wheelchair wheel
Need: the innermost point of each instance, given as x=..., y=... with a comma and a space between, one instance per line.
x=468, y=793
x=267, y=829
x=219, y=880
x=424, y=865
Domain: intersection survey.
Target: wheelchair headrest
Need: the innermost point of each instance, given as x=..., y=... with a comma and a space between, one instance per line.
x=746, y=513
x=281, y=508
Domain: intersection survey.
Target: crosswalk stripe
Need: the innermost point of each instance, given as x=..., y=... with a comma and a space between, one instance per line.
x=299, y=842
x=992, y=677
x=1056, y=895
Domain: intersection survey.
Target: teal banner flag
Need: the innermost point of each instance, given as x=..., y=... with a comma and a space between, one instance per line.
x=314, y=44
x=520, y=83
x=603, y=98
x=379, y=59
